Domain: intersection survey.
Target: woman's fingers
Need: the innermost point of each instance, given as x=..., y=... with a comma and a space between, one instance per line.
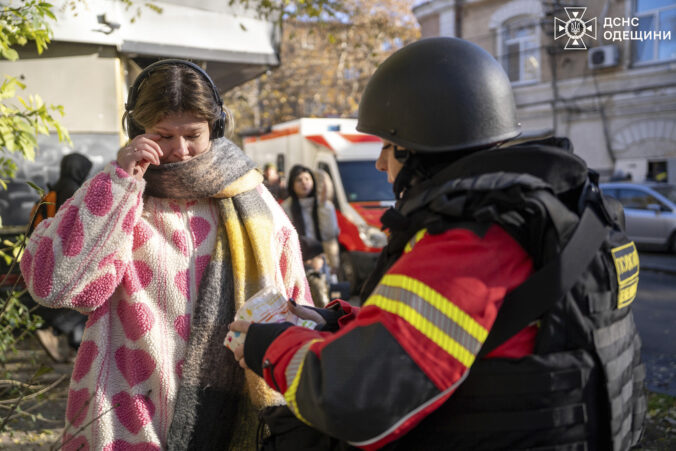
x=141, y=151
x=239, y=326
x=243, y=327
x=239, y=356
x=148, y=143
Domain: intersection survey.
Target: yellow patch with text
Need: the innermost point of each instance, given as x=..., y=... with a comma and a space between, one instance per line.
x=627, y=268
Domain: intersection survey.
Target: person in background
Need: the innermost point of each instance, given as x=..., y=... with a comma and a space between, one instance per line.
x=499, y=313
x=160, y=249
x=63, y=328
x=316, y=270
x=311, y=215
x=325, y=193
x=274, y=182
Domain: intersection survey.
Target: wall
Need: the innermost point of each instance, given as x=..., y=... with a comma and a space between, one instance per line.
x=617, y=117
x=82, y=78
x=86, y=81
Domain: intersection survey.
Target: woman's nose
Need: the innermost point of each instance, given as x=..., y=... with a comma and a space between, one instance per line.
x=180, y=147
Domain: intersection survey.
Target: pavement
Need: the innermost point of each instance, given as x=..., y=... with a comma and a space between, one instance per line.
x=658, y=262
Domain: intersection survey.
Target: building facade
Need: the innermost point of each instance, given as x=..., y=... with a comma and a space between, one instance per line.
x=609, y=84
x=96, y=52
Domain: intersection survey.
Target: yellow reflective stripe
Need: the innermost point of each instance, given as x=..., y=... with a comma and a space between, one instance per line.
x=440, y=302
x=293, y=374
x=425, y=327
x=418, y=236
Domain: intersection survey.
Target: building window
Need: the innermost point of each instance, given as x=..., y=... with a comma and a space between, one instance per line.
x=520, y=49
x=654, y=16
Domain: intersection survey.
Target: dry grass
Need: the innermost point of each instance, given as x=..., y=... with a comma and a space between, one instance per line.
x=38, y=422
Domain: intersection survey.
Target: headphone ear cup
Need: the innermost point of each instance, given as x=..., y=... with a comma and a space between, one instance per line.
x=133, y=130
x=218, y=130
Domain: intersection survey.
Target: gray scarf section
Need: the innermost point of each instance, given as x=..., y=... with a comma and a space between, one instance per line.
x=202, y=176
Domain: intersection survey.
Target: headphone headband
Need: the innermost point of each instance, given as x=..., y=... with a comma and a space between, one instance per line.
x=218, y=129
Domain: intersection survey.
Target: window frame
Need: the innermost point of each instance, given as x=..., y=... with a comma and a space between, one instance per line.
x=655, y=14
x=522, y=41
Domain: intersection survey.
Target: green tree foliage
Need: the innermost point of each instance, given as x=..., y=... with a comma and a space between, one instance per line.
x=23, y=119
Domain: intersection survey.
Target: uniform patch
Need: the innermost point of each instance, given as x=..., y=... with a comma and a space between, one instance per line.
x=627, y=267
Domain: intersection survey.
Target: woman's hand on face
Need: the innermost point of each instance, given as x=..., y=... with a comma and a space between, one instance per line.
x=243, y=327
x=141, y=152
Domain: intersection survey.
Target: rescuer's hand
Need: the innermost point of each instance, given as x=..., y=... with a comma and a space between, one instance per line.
x=304, y=312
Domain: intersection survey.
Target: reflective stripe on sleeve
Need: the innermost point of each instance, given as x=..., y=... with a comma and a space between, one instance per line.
x=417, y=237
x=292, y=374
x=431, y=314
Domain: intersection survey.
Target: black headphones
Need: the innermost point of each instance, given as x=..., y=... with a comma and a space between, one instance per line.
x=133, y=129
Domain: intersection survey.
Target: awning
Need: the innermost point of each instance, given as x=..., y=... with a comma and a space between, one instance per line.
x=235, y=44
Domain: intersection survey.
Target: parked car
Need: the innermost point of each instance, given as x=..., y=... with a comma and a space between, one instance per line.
x=650, y=212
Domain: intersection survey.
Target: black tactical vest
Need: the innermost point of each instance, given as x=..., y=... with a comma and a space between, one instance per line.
x=582, y=388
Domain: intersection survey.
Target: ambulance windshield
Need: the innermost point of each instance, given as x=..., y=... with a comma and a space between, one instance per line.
x=363, y=182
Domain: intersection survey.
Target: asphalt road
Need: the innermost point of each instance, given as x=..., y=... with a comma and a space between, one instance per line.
x=655, y=316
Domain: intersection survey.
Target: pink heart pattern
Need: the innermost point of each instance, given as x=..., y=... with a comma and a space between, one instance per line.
x=137, y=277
x=42, y=276
x=180, y=240
x=200, y=228
x=182, y=281
x=142, y=233
x=201, y=264
x=121, y=445
x=182, y=326
x=99, y=196
x=133, y=412
x=128, y=221
x=85, y=357
x=97, y=314
x=136, y=365
x=97, y=292
x=71, y=232
x=71, y=443
x=136, y=319
x=76, y=410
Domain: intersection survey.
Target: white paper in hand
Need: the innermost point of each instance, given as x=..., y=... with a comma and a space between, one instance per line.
x=266, y=306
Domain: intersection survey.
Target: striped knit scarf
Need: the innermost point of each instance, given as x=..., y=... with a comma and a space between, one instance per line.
x=212, y=409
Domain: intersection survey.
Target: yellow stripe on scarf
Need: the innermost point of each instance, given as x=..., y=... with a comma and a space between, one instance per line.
x=247, y=182
x=253, y=266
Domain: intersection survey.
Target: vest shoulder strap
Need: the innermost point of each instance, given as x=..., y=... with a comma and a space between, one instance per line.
x=541, y=290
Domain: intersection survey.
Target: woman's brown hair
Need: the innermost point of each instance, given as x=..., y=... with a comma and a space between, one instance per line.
x=173, y=89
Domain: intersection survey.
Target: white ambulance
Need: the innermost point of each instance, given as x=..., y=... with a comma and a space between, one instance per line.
x=362, y=193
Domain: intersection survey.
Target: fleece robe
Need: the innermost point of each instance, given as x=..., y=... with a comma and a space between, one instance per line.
x=134, y=264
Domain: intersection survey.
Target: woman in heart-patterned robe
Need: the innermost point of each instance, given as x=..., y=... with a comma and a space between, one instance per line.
x=160, y=249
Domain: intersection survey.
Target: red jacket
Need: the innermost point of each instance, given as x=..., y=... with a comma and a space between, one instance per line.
x=400, y=356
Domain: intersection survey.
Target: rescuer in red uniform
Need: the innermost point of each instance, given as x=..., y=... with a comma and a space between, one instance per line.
x=504, y=258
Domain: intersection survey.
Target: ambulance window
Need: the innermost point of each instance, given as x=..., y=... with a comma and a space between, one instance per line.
x=363, y=182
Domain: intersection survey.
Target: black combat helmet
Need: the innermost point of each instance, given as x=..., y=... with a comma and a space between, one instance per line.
x=438, y=95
